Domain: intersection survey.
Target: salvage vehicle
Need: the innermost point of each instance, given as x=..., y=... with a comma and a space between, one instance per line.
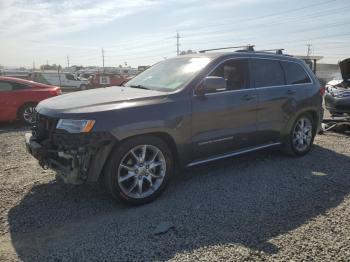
x=64, y=80
x=337, y=97
x=108, y=79
x=180, y=112
x=19, y=97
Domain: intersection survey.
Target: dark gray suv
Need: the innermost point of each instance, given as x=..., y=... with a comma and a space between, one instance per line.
x=182, y=112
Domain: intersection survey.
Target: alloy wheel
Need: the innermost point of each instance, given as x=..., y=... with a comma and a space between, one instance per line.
x=29, y=114
x=141, y=171
x=302, y=134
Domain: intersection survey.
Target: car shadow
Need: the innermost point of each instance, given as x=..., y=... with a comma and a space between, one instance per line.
x=247, y=200
x=6, y=127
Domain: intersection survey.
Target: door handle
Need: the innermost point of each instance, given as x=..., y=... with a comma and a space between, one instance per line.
x=290, y=92
x=247, y=97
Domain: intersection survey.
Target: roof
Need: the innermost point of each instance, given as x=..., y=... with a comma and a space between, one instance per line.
x=15, y=79
x=243, y=53
x=23, y=81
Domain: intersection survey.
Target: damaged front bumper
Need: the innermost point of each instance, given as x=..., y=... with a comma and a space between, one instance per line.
x=75, y=159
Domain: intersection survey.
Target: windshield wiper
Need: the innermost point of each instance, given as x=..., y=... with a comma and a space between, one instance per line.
x=140, y=87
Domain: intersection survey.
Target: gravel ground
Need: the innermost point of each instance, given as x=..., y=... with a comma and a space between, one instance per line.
x=260, y=206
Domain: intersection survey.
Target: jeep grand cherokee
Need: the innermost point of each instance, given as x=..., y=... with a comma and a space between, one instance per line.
x=183, y=111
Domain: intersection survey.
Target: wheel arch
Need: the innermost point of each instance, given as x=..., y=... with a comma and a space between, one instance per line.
x=312, y=112
x=167, y=138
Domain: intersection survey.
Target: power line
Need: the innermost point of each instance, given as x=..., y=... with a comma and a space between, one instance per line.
x=237, y=21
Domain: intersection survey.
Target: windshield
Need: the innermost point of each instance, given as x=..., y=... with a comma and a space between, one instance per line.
x=169, y=75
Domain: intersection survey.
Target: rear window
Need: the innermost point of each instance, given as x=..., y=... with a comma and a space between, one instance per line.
x=295, y=74
x=267, y=73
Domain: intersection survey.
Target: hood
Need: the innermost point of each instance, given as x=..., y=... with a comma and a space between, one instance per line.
x=95, y=100
x=345, y=69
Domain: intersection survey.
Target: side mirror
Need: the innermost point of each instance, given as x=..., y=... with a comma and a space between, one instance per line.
x=211, y=84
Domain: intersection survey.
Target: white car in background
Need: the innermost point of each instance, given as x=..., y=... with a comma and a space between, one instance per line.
x=63, y=80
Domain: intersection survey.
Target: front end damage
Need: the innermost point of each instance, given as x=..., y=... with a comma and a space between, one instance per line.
x=76, y=158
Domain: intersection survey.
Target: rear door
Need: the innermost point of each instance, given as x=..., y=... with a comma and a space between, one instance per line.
x=277, y=99
x=225, y=120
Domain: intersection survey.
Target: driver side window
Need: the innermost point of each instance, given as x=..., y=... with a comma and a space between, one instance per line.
x=5, y=86
x=235, y=72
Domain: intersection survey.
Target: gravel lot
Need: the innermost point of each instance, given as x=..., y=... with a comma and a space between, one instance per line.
x=260, y=206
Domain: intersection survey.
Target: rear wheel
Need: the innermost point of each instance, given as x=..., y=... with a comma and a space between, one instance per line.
x=27, y=113
x=83, y=87
x=301, y=137
x=139, y=169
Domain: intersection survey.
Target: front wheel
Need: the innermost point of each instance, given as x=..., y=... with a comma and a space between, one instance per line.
x=301, y=137
x=83, y=87
x=139, y=169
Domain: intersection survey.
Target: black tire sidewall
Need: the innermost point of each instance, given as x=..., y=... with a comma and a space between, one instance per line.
x=21, y=112
x=304, y=152
x=117, y=155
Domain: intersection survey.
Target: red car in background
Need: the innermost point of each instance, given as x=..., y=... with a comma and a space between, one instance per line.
x=19, y=97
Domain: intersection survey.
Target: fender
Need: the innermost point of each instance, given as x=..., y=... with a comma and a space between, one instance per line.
x=288, y=127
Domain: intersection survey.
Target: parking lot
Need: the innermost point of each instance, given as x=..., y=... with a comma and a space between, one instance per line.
x=260, y=206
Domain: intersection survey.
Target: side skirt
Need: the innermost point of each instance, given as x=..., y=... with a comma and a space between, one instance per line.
x=235, y=153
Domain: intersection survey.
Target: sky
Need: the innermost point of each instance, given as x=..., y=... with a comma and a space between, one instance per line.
x=142, y=32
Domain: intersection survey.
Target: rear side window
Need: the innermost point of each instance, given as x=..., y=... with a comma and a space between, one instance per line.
x=295, y=74
x=4, y=86
x=19, y=86
x=267, y=73
x=70, y=77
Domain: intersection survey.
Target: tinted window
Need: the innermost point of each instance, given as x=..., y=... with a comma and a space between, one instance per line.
x=4, y=86
x=18, y=86
x=267, y=73
x=235, y=72
x=70, y=77
x=295, y=74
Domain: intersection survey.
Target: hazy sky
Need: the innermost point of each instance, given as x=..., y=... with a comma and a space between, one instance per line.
x=141, y=32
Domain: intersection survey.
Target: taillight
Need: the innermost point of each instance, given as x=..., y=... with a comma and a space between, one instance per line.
x=322, y=90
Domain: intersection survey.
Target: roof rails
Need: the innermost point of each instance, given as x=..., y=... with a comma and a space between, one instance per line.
x=247, y=48
x=278, y=51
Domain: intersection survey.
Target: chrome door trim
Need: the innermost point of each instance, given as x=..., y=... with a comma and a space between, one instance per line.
x=198, y=162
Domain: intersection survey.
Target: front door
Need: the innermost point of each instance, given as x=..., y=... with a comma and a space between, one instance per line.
x=8, y=102
x=225, y=120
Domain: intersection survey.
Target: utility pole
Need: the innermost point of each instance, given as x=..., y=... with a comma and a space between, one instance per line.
x=309, y=49
x=68, y=62
x=177, y=43
x=103, y=60
x=33, y=65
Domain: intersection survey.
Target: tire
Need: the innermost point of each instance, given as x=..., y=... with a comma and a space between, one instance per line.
x=26, y=114
x=83, y=87
x=300, y=139
x=127, y=169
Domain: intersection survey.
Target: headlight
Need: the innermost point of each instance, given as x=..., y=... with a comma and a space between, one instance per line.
x=75, y=126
